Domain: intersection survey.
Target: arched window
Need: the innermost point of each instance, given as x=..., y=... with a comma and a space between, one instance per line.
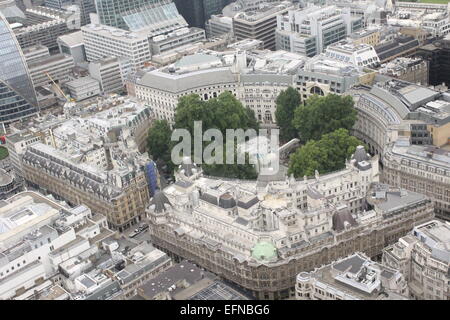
x=268, y=116
x=317, y=90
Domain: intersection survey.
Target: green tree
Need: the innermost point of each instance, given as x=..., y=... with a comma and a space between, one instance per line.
x=237, y=171
x=287, y=101
x=307, y=159
x=158, y=140
x=222, y=113
x=325, y=155
x=321, y=115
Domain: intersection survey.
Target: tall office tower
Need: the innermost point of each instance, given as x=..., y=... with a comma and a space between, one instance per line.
x=110, y=11
x=17, y=95
x=86, y=7
x=197, y=12
x=310, y=30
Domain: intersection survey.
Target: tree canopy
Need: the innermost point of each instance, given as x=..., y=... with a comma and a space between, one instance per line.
x=322, y=115
x=325, y=155
x=241, y=171
x=222, y=113
x=158, y=140
x=287, y=101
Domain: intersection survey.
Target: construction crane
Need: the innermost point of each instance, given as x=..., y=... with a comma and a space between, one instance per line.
x=59, y=89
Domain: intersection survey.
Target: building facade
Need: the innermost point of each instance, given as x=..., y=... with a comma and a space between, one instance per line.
x=110, y=12
x=102, y=41
x=17, y=95
x=424, y=258
x=261, y=235
x=310, y=30
x=260, y=22
x=352, y=278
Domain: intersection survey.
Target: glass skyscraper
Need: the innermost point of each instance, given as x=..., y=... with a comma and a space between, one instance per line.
x=197, y=12
x=17, y=95
x=110, y=11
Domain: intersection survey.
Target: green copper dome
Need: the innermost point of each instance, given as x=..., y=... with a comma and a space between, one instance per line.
x=264, y=251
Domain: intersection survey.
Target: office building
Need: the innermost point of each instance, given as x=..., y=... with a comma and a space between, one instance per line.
x=424, y=258
x=94, y=158
x=103, y=41
x=310, y=30
x=42, y=25
x=186, y=281
x=219, y=25
x=86, y=7
x=16, y=143
x=45, y=70
x=371, y=12
x=176, y=40
x=110, y=12
x=197, y=12
x=335, y=71
x=400, y=46
x=438, y=56
x=355, y=277
x=393, y=108
x=72, y=44
x=83, y=88
x=267, y=232
x=413, y=70
x=408, y=126
x=31, y=249
x=433, y=20
x=35, y=53
x=358, y=55
x=17, y=94
x=117, y=270
x=110, y=73
x=208, y=75
x=368, y=36
x=421, y=168
x=259, y=22
x=254, y=78
x=264, y=77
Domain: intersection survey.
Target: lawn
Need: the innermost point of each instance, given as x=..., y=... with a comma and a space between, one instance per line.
x=3, y=153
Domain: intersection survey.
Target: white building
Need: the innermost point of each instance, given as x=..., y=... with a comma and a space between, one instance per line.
x=219, y=25
x=58, y=66
x=310, y=30
x=110, y=72
x=255, y=78
x=278, y=228
x=83, y=88
x=424, y=258
x=73, y=45
x=35, y=53
x=359, y=55
x=102, y=41
x=207, y=75
x=352, y=278
x=36, y=235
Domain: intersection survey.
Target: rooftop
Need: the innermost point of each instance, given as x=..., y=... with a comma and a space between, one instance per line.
x=436, y=235
x=356, y=277
x=72, y=39
x=172, y=280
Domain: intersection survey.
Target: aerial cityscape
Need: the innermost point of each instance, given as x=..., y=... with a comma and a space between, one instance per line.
x=225, y=150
